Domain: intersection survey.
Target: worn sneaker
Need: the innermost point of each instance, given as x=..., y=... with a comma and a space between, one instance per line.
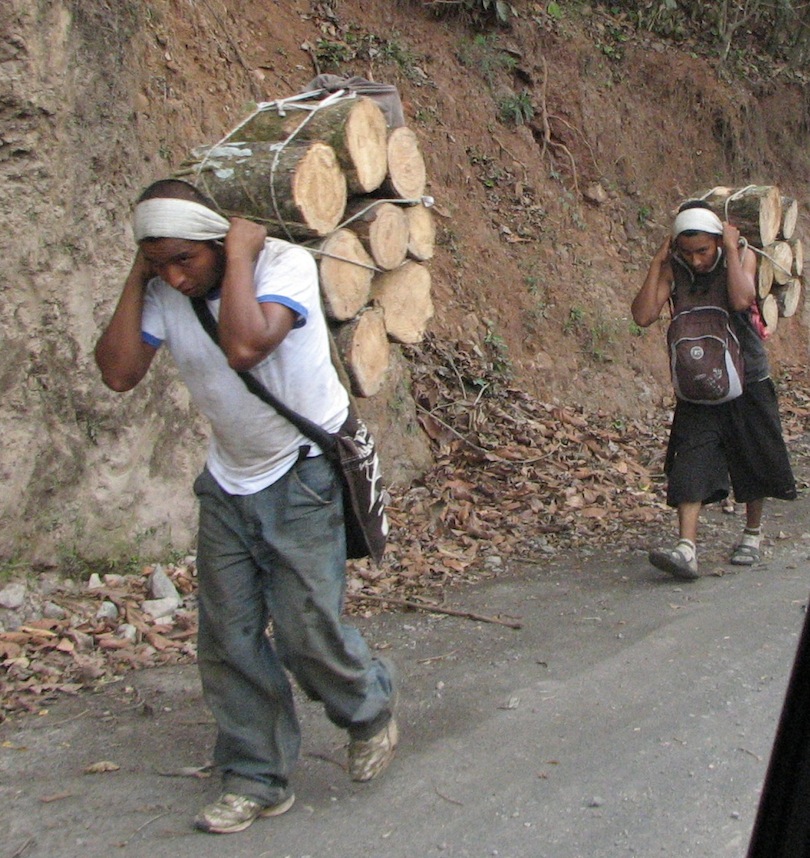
x=369, y=758
x=231, y=813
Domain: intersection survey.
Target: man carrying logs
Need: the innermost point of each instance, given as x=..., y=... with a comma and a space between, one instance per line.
x=728, y=434
x=271, y=542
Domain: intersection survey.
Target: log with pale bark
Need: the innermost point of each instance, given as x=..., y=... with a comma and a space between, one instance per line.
x=346, y=271
x=764, y=276
x=756, y=211
x=297, y=192
x=790, y=215
x=353, y=126
x=407, y=176
x=787, y=297
x=798, y=256
x=382, y=228
x=781, y=257
x=770, y=312
x=364, y=350
x=421, y=232
x=404, y=295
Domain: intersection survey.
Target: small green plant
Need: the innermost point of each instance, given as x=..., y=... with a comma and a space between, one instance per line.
x=643, y=215
x=483, y=54
x=501, y=364
x=574, y=321
x=516, y=109
x=331, y=54
x=635, y=330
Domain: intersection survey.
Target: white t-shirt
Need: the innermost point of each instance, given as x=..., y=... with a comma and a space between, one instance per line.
x=251, y=445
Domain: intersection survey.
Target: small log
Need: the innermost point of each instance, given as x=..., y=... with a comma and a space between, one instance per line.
x=364, y=351
x=354, y=127
x=764, y=275
x=382, y=228
x=790, y=215
x=755, y=211
x=782, y=259
x=346, y=271
x=798, y=256
x=787, y=297
x=407, y=176
x=770, y=312
x=421, y=232
x=297, y=191
x=404, y=295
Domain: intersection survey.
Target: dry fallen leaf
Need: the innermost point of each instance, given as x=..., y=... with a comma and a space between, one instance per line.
x=101, y=767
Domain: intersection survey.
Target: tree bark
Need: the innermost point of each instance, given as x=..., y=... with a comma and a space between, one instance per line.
x=298, y=192
x=787, y=297
x=790, y=214
x=354, y=127
x=756, y=212
x=404, y=295
x=770, y=312
x=346, y=271
x=421, y=232
x=382, y=228
x=365, y=351
x=406, y=177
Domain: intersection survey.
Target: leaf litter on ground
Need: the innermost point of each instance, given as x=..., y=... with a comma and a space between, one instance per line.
x=514, y=480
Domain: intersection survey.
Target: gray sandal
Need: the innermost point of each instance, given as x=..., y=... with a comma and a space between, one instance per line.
x=673, y=561
x=744, y=555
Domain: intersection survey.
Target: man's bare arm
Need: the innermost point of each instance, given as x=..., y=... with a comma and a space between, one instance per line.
x=122, y=356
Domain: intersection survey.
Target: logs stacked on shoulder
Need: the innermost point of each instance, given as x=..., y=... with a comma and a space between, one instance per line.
x=331, y=175
x=767, y=219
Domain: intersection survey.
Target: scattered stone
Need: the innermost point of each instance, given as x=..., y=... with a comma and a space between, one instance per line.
x=161, y=586
x=52, y=611
x=160, y=607
x=107, y=611
x=94, y=582
x=127, y=632
x=12, y=596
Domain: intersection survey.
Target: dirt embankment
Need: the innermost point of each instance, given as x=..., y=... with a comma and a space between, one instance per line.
x=545, y=227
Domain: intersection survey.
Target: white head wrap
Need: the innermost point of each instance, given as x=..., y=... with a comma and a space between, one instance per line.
x=169, y=218
x=700, y=220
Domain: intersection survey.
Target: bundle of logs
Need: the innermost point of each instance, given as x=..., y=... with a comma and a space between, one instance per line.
x=330, y=174
x=767, y=220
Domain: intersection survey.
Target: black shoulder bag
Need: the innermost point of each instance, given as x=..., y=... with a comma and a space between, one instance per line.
x=351, y=450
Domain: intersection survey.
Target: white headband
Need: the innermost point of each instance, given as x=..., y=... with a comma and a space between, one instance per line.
x=162, y=217
x=699, y=220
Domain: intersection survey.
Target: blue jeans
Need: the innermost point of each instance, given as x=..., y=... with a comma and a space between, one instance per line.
x=278, y=555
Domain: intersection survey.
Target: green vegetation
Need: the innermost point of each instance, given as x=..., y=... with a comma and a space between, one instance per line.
x=479, y=13
x=516, y=108
x=482, y=54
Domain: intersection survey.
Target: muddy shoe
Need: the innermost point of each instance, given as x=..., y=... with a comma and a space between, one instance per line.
x=676, y=562
x=369, y=758
x=744, y=555
x=231, y=813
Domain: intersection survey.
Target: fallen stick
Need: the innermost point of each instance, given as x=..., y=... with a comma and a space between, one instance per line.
x=433, y=608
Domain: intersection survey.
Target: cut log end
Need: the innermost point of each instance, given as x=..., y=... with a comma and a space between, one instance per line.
x=788, y=297
x=366, y=143
x=346, y=271
x=319, y=188
x=770, y=312
x=404, y=295
x=407, y=176
x=365, y=351
x=421, y=232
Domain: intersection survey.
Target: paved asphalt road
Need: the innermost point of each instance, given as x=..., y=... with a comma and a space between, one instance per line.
x=630, y=716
